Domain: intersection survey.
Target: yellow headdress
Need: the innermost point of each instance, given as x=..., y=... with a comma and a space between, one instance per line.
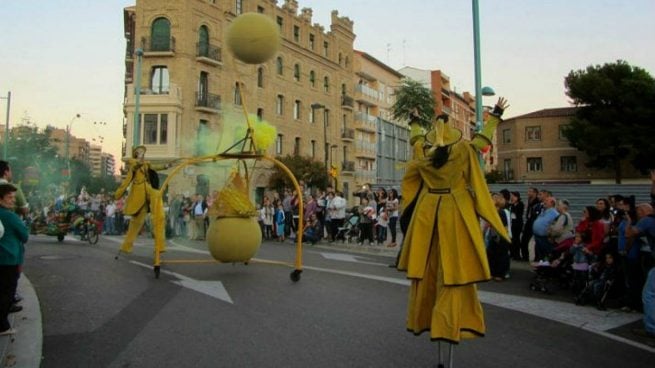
x=441, y=135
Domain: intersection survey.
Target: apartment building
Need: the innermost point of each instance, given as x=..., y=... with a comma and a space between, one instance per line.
x=189, y=90
x=381, y=144
x=532, y=147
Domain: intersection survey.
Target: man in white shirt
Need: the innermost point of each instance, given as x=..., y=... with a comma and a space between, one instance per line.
x=110, y=219
x=337, y=209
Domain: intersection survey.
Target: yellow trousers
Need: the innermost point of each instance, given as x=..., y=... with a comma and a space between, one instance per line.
x=158, y=223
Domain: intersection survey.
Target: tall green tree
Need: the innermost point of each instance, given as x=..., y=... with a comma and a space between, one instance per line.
x=412, y=95
x=615, y=120
x=313, y=173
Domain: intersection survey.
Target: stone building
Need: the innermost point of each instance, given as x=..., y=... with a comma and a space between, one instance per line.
x=188, y=84
x=532, y=148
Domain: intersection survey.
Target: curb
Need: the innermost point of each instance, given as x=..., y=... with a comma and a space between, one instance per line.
x=24, y=349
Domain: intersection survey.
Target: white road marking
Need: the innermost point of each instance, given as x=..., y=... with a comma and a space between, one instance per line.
x=215, y=289
x=588, y=319
x=349, y=258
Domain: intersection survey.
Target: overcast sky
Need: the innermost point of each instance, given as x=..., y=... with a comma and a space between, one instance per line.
x=63, y=57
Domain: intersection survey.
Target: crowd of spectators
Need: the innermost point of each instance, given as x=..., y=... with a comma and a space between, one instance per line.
x=606, y=257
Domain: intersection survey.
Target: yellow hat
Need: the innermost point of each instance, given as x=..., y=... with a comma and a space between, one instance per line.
x=134, y=149
x=442, y=135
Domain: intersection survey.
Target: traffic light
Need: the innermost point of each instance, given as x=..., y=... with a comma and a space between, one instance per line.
x=333, y=171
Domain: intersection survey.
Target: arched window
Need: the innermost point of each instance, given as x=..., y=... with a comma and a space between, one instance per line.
x=296, y=110
x=296, y=72
x=340, y=58
x=280, y=65
x=237, y=94
x=159, y=81
x=203, y=41
x=326, y=84
x=160, y=35
x=343, y=89
x=347, y=62
x=312, y=78
x=260, y=77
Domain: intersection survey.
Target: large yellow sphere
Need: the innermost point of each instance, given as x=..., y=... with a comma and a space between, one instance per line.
x=253, y=38
x=234, y=239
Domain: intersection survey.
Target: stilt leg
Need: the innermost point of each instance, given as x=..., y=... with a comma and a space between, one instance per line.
x=440, y=358
x=450, y=355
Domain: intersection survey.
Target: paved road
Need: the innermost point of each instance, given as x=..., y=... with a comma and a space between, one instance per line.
x=347, y=311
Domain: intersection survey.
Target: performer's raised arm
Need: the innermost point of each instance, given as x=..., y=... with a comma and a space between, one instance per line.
x=483, y=138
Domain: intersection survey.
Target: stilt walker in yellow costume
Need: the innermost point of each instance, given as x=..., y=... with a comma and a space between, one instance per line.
x=443, y=251
x=142, y=198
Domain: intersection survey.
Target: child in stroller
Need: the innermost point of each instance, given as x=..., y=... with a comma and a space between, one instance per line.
x=350, y=228
x=602, y=283
x=554, y=272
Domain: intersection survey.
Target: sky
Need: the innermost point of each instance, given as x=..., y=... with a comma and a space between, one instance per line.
x=60, y=58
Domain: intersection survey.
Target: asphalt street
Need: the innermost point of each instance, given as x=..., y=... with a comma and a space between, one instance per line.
x=348, y=310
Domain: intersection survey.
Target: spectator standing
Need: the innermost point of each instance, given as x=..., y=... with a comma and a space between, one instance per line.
x=516, y=209
x=592, y=230
x=543, y=246
x=338, y=212
x=562, y=228
x=6, y=177
x=392, y=210
x=381, y=225
x=12, y=254
x=199, y=214
x=279, y=222
x=498, y=248
x=532, y=212
x=288, y=211
x=110, y=218
x=268, y=214
x=366, y=217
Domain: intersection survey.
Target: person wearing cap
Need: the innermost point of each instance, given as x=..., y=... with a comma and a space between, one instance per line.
x=143, y=197
x=443, y=251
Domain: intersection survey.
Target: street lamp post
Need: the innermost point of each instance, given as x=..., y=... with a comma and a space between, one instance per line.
x=479, y=91
x=316, y=106
x=6, y=145
x=137, y=99
x=68, y=134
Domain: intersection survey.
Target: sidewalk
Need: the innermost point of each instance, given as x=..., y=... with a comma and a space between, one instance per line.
x=24, y=348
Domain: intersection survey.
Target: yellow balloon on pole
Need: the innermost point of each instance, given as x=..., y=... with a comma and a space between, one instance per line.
x=253, y=38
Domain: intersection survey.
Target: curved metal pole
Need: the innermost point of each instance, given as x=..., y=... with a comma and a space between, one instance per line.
x=226, y=156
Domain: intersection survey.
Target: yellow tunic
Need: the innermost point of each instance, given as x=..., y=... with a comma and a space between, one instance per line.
x=443, y=250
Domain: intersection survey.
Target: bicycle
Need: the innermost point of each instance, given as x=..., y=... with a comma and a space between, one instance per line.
x=89, y=229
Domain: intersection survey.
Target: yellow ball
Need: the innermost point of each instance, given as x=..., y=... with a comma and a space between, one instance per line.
x=234, y=239
x=253, y=38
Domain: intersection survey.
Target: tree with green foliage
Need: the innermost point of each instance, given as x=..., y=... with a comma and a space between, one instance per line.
x=313, y=173
x=412, y=95
x=615, y=119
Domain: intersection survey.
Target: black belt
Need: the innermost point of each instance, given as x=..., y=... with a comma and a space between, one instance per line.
x=439, y=190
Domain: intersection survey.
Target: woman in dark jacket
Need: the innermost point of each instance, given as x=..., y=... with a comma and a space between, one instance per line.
x=516, y=208
x=12, y=253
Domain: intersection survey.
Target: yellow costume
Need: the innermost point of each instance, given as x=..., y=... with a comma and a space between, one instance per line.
x=443, y=250
x=141, y=198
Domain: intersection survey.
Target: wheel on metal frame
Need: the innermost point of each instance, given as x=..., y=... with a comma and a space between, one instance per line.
x=92, y=234
x=295, y=275
x=60, y=237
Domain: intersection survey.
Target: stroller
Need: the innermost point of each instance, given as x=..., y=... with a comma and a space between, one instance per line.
x=601, y=285
x=555, y=273
x=350, y=229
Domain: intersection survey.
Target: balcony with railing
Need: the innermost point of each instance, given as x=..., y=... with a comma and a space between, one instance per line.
x=170, y=95
x=365, y=150
x=158, y=46
x=366, y=122
x=366, y=176
x=348, y=134
x=347, y=102
x=348, y=167
x=209, y=54
x=366, y=94
x=208, y=102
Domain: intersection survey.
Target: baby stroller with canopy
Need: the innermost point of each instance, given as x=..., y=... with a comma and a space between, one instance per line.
x=350, y=228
